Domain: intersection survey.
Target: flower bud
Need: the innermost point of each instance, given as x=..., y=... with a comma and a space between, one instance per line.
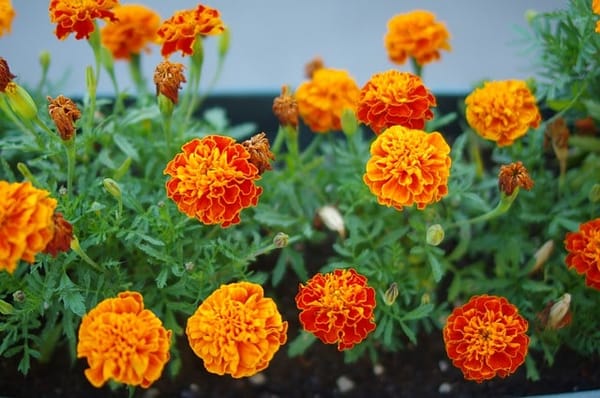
x=6, y=308
x=224, y=41
x=19, y=296
x=189, y=266
x=434, y=235
x=45, y=58
x=20, y=101
x=281, y=240
x=330, y=216
x=542, y=255
x=112, y=187
x=349, y=122
x=391, y=294
x=559, y=315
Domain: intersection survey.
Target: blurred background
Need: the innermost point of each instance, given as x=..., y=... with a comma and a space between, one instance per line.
x=272, y=40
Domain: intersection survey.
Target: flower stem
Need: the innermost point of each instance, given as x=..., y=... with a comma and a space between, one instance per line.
x=505, y=203
x=81, y=253
x=71, y=154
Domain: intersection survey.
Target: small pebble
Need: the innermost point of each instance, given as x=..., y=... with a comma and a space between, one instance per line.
x=445, y=388
x=152, y=393
x=258, y=379
x=378, y=369
x=443, y=365
x=344, y=384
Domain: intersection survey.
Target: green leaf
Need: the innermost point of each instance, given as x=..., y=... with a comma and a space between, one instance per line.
x=125, y=145
x=300, y=344
x=420, y=312
x=436, y=267
x=409, y=332
x=274, y=219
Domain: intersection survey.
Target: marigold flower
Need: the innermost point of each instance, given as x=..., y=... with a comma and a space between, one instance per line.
x=260, y=152
x=514, y=175
x=5, y=75
x=135, y=28
x=168, y=77
x=486, y=337
x=285, y=108
x=583, y=249
x=25, y=222
x=64, y=113
x=62, y=234
x=502, y=111
x=418, y=35
x=395, y=98
x=596, y=10
x=179, y=32
x=236, y=330
x=322, y=99
x=337, y=307
x=213, y=180
x=123, y=341
x=7, y=13
x=77, y=16
x=408, y=167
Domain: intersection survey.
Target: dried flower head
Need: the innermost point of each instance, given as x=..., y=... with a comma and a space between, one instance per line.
x=77, y=16
x=395, y=98
x=7, y=13
x=5, y=75
x=25, y=223
x=583, y=249
x=123, y=341
x=502, y=111
x=337, y=307
x=260, y=152
x=134, y=30
x=285, y=108
x=513, y=176
x=64, y=113
x=314, y=65
x=557, y=137
x=408, y=167
x=179, y=32
x=418, y=35
x=213, y=180
x=236, y=330
x=61, y=236
x=486, y=337
x=168, y=77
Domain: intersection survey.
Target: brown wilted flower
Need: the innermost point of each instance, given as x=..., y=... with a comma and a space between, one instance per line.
x=585, y=126
x=63, y=234
x=285, y=108
x=168, y=77
x=557, y=136
x=260, y=152
x=314, y=65
x=64, y=113
x=5, y=75
x=512, y=176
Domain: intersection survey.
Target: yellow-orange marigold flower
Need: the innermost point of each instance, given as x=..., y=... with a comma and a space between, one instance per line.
x=62, y=234
x=322, y=99
x=337, y=307
x=7, y=13
x=25, y=222
x=236, y=330
x=583, y=249
x=596, y=10
x=179, y=32
x=408, y=167
x=77, y=16
x=213, y=180
x=486, y=337
x=502, y=111
x=418, y=35
x=395, y=98
x=123, y=341
x=134, y=30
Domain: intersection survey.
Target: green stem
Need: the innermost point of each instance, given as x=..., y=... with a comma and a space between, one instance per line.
x=502, y=207
x=71, y=154
x=196, y=63
x=135, y=69
x=416, y=67
x=81, y=253
x=475, y=154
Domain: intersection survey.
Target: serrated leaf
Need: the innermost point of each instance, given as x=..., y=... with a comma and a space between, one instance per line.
x=161, y=278
x=152, y=252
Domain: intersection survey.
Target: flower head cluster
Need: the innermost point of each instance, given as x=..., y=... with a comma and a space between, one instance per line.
x=486, y=337
x=513, y=176
x=26, y=224
x=7, y=13
x=395, y=98
x=408, y=167
x=236, y=330
x=123, y=341
x=322, y=99
x=502, y=111
x=179, y=32
x=133, y=30
x=78, y=16
x=213, y=180
x=418, y=35
x=337, y=307
x=583, y=249
x=64, y=113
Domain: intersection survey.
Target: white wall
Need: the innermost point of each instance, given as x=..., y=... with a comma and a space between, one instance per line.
x=273, y=39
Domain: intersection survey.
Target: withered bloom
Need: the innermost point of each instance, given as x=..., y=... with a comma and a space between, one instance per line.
x=168, y=77
x=64, y=113
x=5, y=75
x=314, y=65
x=514, y=175
x=63, y=234
x=260, y=152
x=557, y=137
x=285, y=108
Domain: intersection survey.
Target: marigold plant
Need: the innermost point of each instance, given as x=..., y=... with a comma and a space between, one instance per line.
x=583, y=249
x=236, y=330
x=7, y=13
x=78, y=16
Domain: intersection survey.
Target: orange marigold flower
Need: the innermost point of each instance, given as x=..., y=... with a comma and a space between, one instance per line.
x=260, y=152
x=179, y=32
x=135, y=28
x=236, y=330
x=408, y=167
x=486, y=337
x=25, y=222
x=7, y=13
x=418, y=35
x=5, y=75
x=583, y=249
x=322, y=99
x=395, y=98
x=337, y=307
x=168, y=77
x=64, y=113
x=513, y=176
x=502, y=111
x=213, y=180
x=61, y=236
x=285, y=108
x=77, y=16
x=123, y=341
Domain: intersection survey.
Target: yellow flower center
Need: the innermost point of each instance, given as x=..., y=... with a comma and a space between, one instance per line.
x=486, y=335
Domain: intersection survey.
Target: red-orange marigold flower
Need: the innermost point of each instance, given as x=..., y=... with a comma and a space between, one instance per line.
x=61, y=236
x=583, y=249
x=179, y=32
x=322, y=99
x=25, y=222
x=408, y=167
x=395, y=98
x=6, y=76
x=77, y=16
x=337, y=307
x=7, y=13
x=486, y=337
x=416, y=34
x=236, y=330
x=213, y=180
x=135, y=28
x=502, y=111
x=123, y=341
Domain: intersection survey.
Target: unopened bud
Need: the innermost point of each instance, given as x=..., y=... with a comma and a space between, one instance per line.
x=19, y=296
x=224, y=41
x=434, y=235
x=530, y=15
x=542, y=255
x=559, y=315
x=20, y=101
x=332, y=219
x=281, y=240
x=391, y=294
x=112, y=187
x=45, y=58
x=349, y=122
x=6, y=308
x=425, y=299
